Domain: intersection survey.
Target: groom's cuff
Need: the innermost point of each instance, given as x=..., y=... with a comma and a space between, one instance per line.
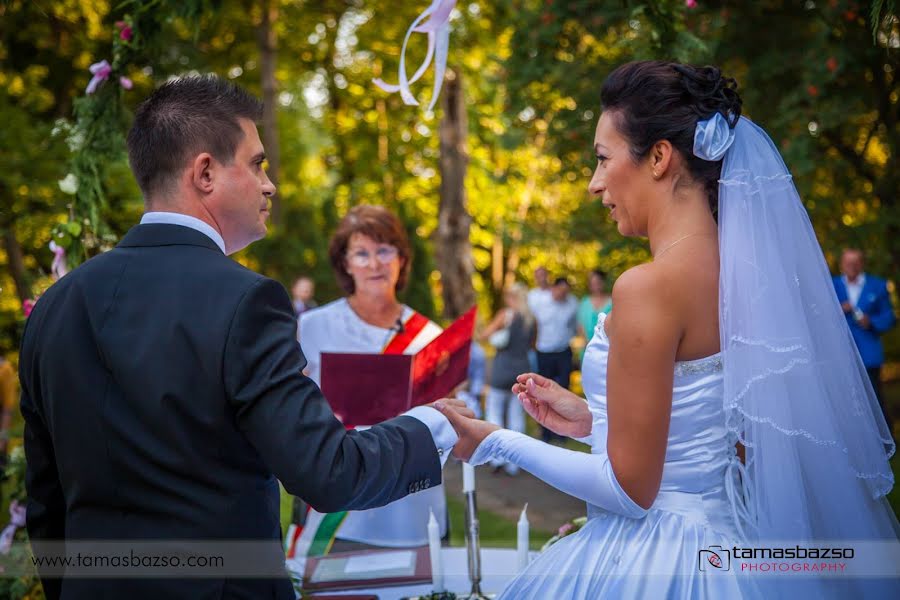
x=442, y=432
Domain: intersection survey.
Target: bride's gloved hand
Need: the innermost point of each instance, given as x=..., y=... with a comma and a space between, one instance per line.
x=553, y=406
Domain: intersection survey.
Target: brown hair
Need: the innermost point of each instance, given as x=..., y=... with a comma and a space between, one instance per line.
x=375, y=222
x=658, y=100
x=183, y=118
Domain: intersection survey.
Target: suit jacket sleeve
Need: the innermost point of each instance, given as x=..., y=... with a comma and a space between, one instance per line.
x=882, y=313
x=289, y=422
x=46, y=506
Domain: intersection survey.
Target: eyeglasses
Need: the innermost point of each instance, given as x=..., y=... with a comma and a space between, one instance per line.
x=362, y=258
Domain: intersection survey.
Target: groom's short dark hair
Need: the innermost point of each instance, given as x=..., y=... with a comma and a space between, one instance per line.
x=182, y=118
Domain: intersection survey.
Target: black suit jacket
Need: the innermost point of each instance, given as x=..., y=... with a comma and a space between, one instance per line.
x=163, y=395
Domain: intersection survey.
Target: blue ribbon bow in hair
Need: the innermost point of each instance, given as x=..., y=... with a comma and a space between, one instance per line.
x=712, y=138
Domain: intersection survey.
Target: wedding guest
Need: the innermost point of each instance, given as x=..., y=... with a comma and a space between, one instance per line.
x=371, y=258
x=556, y=326
x=541, y=291
x=866, y=303
x=471, y=395
x=537, y=296
x=597, y=301
x=512, y=332
x=303, y=290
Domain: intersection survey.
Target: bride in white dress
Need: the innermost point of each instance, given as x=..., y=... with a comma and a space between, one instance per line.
x=726, y=403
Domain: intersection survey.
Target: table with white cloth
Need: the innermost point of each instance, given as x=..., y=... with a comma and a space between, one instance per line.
x=498, y=567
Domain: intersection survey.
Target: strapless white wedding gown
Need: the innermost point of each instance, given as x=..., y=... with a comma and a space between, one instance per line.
x=658, y=555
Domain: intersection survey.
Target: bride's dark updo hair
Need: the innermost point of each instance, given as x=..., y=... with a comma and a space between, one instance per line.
x=658, y=100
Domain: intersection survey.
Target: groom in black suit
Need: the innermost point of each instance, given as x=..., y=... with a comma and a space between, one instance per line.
x=162, y=383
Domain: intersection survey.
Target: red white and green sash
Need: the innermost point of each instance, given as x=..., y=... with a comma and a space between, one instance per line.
x=316, y=536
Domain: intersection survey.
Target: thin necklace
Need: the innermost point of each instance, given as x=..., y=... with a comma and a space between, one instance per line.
x=678, y=241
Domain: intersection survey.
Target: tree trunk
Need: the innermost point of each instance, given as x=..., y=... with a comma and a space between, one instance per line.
x=346, y=167
x=268, y=45
x=16, y=263
x=453, y=251
x=512, y=261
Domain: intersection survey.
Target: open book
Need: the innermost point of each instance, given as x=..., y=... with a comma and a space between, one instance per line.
x=365, y=389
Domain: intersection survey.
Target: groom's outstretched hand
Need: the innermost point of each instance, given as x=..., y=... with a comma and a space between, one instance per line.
x=553, y=406
x=471, y=431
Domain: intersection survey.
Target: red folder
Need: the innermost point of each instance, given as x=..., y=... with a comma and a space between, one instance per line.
x=365, y=389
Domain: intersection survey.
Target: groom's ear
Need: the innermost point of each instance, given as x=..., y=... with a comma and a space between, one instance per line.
x=203, y=172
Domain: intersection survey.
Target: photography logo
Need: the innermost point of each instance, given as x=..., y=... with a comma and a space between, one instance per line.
x=715, y=558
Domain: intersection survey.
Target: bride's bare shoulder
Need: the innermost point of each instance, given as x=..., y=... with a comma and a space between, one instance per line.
x=642, y=290
x=640, y=283
x=644, y=325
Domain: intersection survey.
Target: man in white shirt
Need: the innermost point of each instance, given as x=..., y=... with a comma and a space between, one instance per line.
x=557, y=321
x=536, y=296
x=541, y=292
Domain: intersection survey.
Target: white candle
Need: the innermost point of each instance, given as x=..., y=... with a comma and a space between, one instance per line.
x=468, y=478
x=434, y=551
x=522, y=541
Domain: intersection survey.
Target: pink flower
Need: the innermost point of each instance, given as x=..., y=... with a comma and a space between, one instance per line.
x=125, y=82
x=564, y=529
x=690, y=3
x=101, y=71
x=27, y=307
x=126, y=34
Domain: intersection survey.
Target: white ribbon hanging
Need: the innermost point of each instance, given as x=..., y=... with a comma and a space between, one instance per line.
x=438, y=30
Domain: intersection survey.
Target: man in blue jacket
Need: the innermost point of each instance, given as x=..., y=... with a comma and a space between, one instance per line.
x=867, y=305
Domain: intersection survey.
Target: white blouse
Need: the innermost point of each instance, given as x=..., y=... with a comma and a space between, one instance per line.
x=335, y=327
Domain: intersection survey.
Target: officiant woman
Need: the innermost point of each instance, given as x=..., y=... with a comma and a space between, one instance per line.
x=371, y=258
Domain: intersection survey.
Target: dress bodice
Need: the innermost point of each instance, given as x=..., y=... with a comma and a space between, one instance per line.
x=700, y=457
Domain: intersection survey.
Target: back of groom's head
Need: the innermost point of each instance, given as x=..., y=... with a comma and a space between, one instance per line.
x=182, y=118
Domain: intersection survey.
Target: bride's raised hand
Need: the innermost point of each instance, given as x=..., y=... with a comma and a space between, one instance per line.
x=553, y=406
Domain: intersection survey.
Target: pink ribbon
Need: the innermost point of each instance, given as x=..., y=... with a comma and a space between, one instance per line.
x=59, y=267
x=101, y=71
x=16, y=520
x=438, y=29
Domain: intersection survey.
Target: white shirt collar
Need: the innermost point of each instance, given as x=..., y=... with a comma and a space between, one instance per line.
x=860, y=281
x=170, y=218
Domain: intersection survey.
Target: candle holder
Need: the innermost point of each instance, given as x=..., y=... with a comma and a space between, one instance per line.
x=473, y=549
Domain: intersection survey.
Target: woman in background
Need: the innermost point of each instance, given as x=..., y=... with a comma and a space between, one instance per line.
x=512, y=331
x=371, y=258
x=597, y=301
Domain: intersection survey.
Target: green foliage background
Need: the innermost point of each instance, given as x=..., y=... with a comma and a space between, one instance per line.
x=820, y=76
